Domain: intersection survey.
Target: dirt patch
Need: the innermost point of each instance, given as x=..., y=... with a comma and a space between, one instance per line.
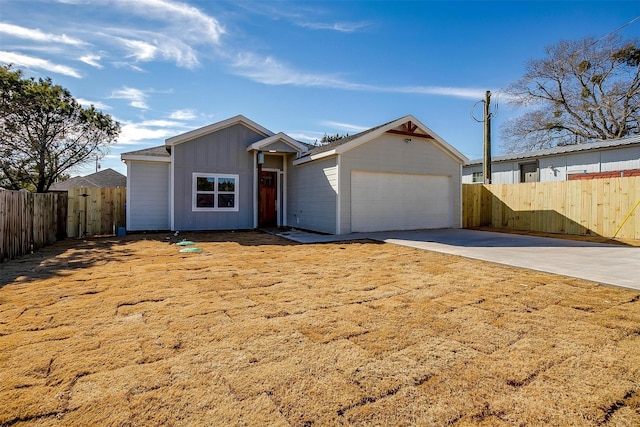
x=256, y=330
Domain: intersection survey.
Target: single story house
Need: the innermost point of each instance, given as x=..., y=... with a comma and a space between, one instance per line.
x=106, y=178
x=614, y=157
x=236, y=174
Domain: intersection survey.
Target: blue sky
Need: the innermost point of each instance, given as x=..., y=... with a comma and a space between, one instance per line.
x=163, y=67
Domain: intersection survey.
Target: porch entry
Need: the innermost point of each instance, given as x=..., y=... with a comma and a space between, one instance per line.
x=268, y=192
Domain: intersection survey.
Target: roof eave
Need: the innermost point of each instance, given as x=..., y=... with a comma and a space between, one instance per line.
x=141, y=158
x=311, y=158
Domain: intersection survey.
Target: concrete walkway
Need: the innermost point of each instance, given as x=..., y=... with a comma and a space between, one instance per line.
x=599, y=262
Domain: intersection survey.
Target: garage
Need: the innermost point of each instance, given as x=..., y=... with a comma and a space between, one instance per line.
x=394, y=201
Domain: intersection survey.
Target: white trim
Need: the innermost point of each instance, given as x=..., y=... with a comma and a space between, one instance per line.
x=284, y=191
x=338, y=204
x=172, y=210
x=255, y=189
x=188, y=136
x=128, y=199
x=280, y=136
x=215, y=192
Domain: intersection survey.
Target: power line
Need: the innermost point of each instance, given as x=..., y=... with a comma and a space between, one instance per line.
x=614, y=31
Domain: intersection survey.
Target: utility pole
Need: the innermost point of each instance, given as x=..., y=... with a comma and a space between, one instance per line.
x=486, y=170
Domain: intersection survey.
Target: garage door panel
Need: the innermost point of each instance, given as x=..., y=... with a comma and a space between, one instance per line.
x=383, y=201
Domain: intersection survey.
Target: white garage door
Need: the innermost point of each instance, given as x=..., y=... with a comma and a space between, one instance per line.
x=386, y=201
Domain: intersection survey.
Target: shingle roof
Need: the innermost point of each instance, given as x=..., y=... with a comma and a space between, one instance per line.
x=159, y=151
x=598, y=145
x=330, y=146
x=107, y=178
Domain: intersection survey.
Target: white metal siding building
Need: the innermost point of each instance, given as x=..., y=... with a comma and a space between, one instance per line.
x=558, y=163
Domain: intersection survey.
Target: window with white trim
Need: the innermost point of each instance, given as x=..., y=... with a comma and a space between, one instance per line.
x=215, y=192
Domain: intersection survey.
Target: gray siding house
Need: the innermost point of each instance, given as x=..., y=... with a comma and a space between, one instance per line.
x=560, y=163
x=236, y=174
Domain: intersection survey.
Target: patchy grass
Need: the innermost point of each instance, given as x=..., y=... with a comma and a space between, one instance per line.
x=255, y=330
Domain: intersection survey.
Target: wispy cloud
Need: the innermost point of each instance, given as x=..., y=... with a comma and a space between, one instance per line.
x=91, y=59
x=35, y=34
x=345, y=126
x=38, y=64
x=190, y=21
x=457, y=92
x=343, y=27
x=136, y=96
x=185, y=114
x=268, y=70
x=97, y=104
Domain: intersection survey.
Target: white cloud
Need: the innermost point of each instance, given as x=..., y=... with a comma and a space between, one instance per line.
x=309, y=136
x=35, y=34
x=136, y=96
x=187, y=20
x=37, y=63
x=268, y=70
x=140, y=50
x=344, y=27
x=457, y=92
x=97, y=104
x=185, y=114
x=134, y=133
x=345, y=126
x=92, y=60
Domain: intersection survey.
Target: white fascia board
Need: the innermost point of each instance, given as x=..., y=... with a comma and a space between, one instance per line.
x=280, y=136
x=188, y=136
x=313, y=157
x=142, y=158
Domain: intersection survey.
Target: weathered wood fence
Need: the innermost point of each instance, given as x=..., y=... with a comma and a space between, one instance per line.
x=29, y=221
x=581, y=207
x=96, y=211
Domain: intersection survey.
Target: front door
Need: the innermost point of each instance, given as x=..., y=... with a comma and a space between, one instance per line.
x=267, y=216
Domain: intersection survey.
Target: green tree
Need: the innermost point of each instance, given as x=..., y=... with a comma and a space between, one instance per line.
x=326, y=139
x=581, y=91
x=45, y=132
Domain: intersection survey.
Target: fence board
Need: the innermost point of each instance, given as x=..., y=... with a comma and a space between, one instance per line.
x=29, y=221
x=579, y=207
x=95, y=211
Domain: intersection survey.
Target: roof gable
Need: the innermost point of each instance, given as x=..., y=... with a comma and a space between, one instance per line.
x=408, y=126
x=279, y=142
x=214, y=127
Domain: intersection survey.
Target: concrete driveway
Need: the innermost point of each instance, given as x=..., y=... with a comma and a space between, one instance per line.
x=599, y=262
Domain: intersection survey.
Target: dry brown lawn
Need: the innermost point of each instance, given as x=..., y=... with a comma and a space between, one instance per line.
x=258, y=331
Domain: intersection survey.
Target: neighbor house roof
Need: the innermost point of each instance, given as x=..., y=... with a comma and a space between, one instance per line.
x=565, y=149
x=107, y=178
x=407, y=125
x=239, y=119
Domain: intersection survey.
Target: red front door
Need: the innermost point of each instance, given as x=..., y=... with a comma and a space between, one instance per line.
x=268, y=191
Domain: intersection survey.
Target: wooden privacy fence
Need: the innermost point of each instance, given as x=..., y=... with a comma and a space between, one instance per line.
x=581, y=207
x=29, y=221
x=95, y=211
